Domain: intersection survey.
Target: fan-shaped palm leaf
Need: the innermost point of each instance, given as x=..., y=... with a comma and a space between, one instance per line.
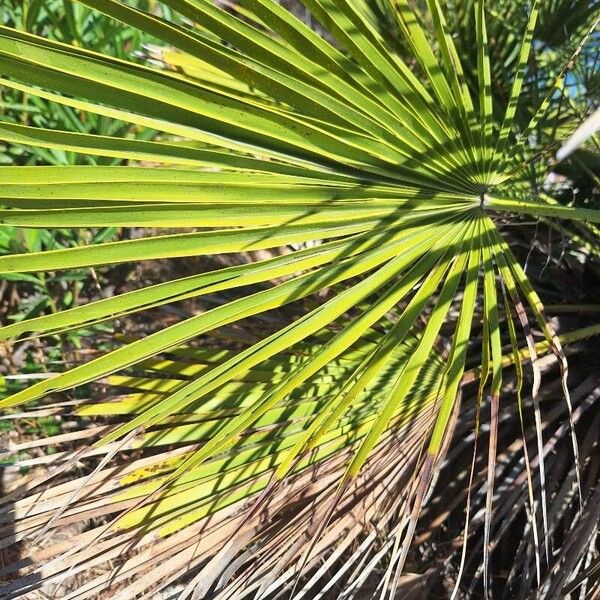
x=398, y=173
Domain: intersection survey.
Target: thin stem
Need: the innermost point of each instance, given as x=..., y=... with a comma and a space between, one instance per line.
x=546, y=210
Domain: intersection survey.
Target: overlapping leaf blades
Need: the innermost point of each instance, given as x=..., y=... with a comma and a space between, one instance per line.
x=395, y=171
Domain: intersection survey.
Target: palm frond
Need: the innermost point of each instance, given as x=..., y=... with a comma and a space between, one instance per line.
x=386, y=179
